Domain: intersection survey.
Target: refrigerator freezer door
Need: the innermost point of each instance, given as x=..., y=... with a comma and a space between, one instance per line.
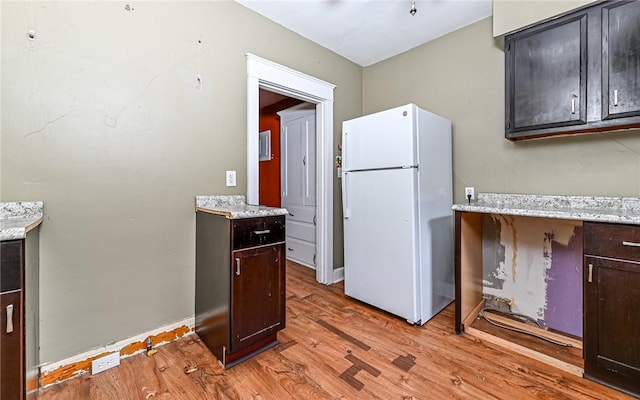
x=380, y=237
x=381, y=140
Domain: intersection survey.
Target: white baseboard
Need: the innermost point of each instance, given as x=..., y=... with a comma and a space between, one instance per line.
x=177, y=329
x=338, y=274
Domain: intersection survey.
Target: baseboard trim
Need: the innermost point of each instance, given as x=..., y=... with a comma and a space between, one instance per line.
x=338, y=274
x=59, y=371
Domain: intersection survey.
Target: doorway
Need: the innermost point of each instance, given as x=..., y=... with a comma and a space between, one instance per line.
x=262, y=73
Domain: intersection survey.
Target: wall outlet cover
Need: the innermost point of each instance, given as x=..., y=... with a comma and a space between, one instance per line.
x=105, y=362
x=470, y=193
x=231, y=178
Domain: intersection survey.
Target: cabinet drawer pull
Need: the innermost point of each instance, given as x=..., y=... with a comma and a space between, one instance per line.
x=573, y=105
x=615, y=97
x=264, y=232
x=590, y=279
x=631, y=244
x=237, y=266
x=9, y=318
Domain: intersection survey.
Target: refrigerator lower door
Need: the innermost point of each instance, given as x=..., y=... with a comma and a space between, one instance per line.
x=380, y=237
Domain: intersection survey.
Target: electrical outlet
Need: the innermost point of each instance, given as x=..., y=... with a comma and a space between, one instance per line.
x=231, y=178
x=104, y=363
x=470, y=191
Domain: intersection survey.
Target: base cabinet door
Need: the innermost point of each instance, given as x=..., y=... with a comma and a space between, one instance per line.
x=257, y=295
x=612, y=305
x=11, y=347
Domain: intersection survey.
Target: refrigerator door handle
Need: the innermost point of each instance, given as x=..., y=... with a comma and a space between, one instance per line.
x=345, y=149
x=345, y=196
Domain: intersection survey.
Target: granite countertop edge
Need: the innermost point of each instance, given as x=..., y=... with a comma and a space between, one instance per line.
x=235, y=207
x=19, y=218
x=624, y=210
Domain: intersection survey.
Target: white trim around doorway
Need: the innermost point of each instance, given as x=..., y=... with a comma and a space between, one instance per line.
x=262, y=73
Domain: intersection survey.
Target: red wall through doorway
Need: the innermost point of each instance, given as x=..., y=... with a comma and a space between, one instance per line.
x=269, y=171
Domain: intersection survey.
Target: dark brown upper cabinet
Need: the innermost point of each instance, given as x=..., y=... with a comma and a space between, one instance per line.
x=620, y=60
x=546, y=78
x=578, y=73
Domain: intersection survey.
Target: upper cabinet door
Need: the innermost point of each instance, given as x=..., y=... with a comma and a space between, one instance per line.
x=546, y=76
x=621, y=60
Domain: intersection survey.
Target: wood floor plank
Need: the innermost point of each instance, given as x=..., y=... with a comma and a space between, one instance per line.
x=308, y=363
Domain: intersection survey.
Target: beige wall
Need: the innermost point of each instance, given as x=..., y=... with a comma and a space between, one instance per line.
x=101, y=121
x=461, y=76
x=511, y=15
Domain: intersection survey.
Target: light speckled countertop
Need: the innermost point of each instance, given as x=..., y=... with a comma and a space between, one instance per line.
x=624, y=210
x=235, y=206
x=18, y=218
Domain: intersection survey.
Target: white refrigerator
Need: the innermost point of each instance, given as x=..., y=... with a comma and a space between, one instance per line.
x=398, y=222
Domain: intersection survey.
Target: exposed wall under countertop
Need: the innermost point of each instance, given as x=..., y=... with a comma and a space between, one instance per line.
x=102, y=120
x=533, y=266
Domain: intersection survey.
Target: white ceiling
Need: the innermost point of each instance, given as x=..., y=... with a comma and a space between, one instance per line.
x=369, y=31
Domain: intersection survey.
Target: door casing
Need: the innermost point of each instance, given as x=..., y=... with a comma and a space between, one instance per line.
x=262, y=73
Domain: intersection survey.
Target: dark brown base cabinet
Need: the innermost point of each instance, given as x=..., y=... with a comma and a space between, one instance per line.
x=240, y=284
x=612, y=305
x=19, y=318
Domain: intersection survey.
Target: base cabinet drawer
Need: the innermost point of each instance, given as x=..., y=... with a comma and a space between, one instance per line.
x=301, y=213
x=301, y=230
x=612, y=240
x=301, y=252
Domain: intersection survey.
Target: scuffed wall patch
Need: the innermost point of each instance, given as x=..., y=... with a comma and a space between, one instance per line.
x=519, y=267
x=564, y=286
x=493, y=275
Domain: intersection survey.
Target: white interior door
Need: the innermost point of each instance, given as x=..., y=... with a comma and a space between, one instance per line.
x=298, y=170
x=292, y=169
x=309, y=197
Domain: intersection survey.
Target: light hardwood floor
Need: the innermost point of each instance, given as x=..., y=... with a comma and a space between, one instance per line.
x=336, y=348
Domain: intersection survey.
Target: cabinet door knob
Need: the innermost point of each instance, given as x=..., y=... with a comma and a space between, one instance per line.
x=590, y=279
x=237, y=266
x=9, y=318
